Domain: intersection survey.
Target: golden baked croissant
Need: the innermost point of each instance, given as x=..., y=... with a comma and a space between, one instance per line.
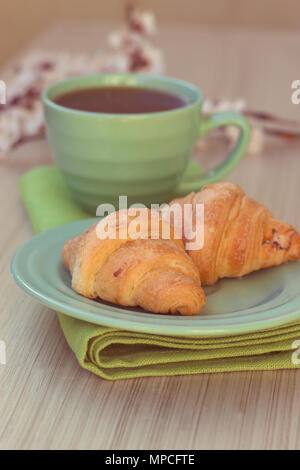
x=155, y=274
x=240, y=235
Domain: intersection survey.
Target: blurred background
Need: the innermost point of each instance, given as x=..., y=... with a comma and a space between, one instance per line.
x=243, y=55
x=21, y=21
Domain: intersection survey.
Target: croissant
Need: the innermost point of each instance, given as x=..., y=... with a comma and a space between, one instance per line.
x=155, y=274
x=240, y=235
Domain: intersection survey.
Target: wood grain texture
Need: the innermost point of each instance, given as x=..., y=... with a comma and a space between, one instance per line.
x=46, y=400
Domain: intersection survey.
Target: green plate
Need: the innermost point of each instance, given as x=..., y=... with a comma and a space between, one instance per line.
x=261, y=300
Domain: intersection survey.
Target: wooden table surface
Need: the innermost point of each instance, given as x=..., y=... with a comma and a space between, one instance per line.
x=46, y=400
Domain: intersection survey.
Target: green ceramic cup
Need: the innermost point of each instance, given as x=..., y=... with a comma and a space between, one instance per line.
x=141, y=156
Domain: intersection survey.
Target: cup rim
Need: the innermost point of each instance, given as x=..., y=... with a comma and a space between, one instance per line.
x=160, y=78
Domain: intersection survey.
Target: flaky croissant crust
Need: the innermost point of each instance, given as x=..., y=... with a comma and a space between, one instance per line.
x=240, y=234
x=156, y=275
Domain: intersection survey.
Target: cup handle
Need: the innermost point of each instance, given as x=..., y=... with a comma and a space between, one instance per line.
x=225, y=118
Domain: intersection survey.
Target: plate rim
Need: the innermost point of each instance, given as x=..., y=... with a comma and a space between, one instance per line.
x=129, y=324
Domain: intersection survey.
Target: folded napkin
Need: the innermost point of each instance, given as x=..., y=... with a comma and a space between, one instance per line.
x=115, y=354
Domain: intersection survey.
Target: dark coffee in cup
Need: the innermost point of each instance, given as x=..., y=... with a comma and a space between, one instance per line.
x=120, y=100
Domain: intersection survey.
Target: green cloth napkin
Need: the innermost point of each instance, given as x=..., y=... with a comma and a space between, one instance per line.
x=115, y=354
